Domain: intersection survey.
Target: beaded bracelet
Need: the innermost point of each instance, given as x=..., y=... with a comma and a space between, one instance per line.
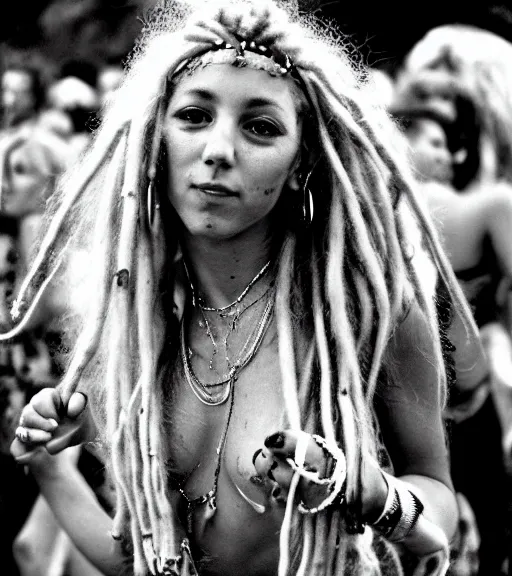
x=334, y=482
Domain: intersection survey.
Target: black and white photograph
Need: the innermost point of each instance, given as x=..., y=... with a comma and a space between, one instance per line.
x=256, y=288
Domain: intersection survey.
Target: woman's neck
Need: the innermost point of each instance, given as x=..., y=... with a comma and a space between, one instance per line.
x=221, y=269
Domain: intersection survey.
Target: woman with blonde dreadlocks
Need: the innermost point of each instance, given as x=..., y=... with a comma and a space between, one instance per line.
x=257, y=322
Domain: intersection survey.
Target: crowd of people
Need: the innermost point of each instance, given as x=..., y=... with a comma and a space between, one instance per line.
x=255, y=306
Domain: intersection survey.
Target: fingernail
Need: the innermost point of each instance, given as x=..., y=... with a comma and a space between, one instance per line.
x=432, y=564
x=85, y=396
x=275, y=440
x=255, y=455
x=53, y=423
x=276, y=491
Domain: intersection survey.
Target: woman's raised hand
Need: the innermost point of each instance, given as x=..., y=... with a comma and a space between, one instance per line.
x=276, y=461
x=322, y=470
x=47, y=422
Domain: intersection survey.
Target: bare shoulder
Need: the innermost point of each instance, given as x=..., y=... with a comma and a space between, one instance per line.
x=498, y=199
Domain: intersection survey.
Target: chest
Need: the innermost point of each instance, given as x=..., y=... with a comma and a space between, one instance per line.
x=206, y=440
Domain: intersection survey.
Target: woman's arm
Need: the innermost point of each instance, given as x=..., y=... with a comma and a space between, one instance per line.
x=77, y=510
x=69, y=496
x=411, y=418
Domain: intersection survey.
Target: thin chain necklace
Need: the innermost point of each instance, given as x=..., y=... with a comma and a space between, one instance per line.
x=223, y=309
x=216, y=393
x=203, y=394
x=233, y=310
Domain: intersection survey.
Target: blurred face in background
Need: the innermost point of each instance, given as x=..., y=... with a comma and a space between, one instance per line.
x=431, y=157
x=25, y=177
x=18, y=99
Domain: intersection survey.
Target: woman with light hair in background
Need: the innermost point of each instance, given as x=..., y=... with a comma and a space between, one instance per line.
x=265, y=368
x=464, y=75
x=31, y=159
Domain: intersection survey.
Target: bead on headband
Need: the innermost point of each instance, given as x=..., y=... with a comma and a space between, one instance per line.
x=241, y=54
x=281, y=60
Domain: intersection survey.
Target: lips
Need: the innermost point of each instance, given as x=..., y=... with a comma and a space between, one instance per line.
x=215, y=189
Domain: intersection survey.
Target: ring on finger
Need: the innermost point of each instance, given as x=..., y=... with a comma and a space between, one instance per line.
x=22, y=434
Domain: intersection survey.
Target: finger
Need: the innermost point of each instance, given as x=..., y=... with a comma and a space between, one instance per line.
x=262, y=460
x=309, y=492
x=32, y=419
x=68, y=434
x=276, y=470
x=279, y=495
x=32, y=435
x=22, y=453
x=76, y=405
x=48, y=403
x=280, y=472
x=283, y=444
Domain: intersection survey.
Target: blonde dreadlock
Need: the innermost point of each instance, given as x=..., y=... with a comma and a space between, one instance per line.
x=351, y=265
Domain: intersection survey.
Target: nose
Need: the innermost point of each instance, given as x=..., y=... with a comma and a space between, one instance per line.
x=219, y=149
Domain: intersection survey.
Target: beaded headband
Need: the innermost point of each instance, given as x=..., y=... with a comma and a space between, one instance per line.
x=241, y=54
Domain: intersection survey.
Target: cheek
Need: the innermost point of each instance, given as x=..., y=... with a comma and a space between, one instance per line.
x=267, y=175
x=181, y=153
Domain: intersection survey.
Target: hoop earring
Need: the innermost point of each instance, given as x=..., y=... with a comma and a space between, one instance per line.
x=307, y=201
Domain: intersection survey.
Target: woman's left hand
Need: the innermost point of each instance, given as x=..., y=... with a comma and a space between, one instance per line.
x=275, y=463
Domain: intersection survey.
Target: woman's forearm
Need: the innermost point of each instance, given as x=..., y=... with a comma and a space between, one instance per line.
x=77, y=510
x=437, y=523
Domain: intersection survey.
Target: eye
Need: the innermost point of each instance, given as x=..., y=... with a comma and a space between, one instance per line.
x=19, y=168
x=437, y=143
x=263, y=128
x=194, y=116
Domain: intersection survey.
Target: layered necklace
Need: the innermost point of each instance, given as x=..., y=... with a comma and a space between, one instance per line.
x=217, y=392
x=214, y=393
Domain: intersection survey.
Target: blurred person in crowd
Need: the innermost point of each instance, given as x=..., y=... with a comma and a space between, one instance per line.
x=466, y=73
x=31, y=160
x=432, y=162
x=23, y=94
x=80, y=102
x=18, y=490
x=431, y=157
x=24, y=102
x=473, y=65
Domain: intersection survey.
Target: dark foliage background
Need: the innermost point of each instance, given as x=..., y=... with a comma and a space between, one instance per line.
x=99, y=31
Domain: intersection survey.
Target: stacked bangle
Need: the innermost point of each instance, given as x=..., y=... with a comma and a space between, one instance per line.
x=401, y=511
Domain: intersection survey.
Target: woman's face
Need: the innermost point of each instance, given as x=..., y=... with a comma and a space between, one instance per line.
x=431, y=156
x=18, y=98
x=24, y=181
x=233, y=137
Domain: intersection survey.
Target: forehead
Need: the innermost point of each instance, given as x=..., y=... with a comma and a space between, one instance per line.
x=241, y=86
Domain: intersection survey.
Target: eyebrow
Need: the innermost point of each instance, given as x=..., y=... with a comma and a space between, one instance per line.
x=251, y=103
